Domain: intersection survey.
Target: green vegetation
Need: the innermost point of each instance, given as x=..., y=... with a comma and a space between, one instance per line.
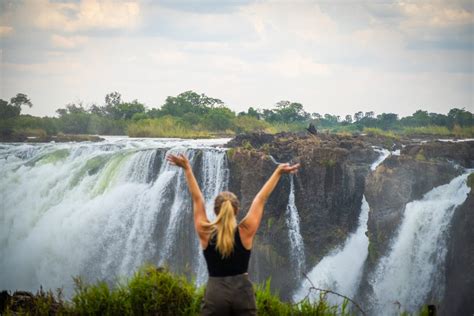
x=155, y=291
x=191, y=115
x=374, y=131
x=470, y=181
x=166, y=126
x=329, y=163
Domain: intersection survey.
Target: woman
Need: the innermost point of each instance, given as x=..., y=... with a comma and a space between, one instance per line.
x=227, y=245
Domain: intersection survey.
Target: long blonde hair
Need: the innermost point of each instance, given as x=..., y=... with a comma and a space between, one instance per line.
x=226, y=206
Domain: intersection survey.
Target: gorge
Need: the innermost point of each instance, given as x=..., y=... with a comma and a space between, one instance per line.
x=350, y=219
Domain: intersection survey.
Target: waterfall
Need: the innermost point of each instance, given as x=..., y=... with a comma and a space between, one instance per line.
x=341, y=270
x=412, y=272
x=296, y=240
x=99, y=210
x=297, y=255
x=384, y=153
x=215, y=180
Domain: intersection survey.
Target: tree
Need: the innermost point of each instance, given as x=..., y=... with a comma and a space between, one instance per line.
x=387, y=120
x=290, y=112
x=348, y=119
x=13, y=109
x=8, y=110
x=358, y=116
x=189, y=101
x=126, y=110
x=253, y=113
x=370, y=114
x=74, y=119
x=113, y=99
x=219, y=118
x=460, y=117
x=21, y=99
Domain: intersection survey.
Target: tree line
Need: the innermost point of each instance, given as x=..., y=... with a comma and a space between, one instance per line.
x=191, y=111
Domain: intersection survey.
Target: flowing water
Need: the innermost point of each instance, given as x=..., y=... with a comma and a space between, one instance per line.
x=297, y=255
x=100, y=210
x=341, y=269
x=296, y=240
x=412, y=272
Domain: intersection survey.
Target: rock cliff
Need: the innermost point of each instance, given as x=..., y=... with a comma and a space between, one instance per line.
x=405, y=178
x=328, y=195
x=459, y=289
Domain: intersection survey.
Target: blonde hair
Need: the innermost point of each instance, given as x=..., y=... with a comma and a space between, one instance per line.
x=226, y=206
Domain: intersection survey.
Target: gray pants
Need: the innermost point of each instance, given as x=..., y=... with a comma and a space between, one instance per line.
x=232, y=295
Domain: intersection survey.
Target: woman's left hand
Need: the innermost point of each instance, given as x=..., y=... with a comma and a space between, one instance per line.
x=287, y=168
x=179, y=160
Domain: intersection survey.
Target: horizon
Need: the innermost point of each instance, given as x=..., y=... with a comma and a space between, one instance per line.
x=336, y=58
x=147, y=108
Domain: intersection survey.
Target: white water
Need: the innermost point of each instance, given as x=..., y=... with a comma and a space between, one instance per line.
x=215, y=180
x=412, y=273
x=341, y=270
x=384, y=153
x=99, y=210
x=296, y=240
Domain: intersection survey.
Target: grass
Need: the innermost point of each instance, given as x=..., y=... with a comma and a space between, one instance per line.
x=164, y=127
x=427, y=130
x=434, y=130
x=373, y=131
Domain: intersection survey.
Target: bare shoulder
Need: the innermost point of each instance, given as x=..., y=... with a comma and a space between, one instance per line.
x=245, y=237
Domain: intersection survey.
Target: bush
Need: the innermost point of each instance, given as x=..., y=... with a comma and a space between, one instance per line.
x=154, y=291
x=151, y=291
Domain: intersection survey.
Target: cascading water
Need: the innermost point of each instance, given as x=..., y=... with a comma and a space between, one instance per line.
x=296, y=240
x=384, y=153
x=341, y=270
x=297, y=254
x=99, y=210
x=412, y=272
x=215, y=178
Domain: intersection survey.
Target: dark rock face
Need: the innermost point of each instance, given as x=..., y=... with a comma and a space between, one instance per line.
x=397, y=181
x=459, y=289
x=402, y=179
x=461, y=153
x=328, y=195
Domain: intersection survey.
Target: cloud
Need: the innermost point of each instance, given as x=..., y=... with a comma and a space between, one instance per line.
x=334, y=57
x=67, y=42
x=86, y=15
x=6, y=31
x=435, y=14
x=294, y=64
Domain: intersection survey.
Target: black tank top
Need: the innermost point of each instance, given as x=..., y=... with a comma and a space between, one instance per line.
x=236, y=263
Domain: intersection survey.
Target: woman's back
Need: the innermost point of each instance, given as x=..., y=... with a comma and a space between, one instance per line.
x=236, y=263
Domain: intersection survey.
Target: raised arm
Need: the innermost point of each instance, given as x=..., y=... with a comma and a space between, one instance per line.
x=250, y=223
x=199, y=209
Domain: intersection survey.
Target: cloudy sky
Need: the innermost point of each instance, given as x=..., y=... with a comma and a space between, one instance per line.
x=334, y=57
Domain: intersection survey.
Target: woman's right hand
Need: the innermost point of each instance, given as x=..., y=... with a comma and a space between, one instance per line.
x=179, y=160
x=287, y=168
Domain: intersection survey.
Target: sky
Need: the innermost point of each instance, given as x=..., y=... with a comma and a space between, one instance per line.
x=335, y=57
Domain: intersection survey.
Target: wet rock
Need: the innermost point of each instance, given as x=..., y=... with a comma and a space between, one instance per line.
x=461, y=153
x=459, y=289
x=397, y=181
